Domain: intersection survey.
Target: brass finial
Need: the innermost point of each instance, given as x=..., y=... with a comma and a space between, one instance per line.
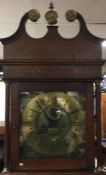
x=33, y=15
x=71, y=15
x=51, y=16
x=51, y=6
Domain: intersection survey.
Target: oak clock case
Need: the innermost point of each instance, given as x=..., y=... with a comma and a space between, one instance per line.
x=50, y=116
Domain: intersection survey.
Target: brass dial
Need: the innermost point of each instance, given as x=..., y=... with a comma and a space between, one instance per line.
x=53, y=125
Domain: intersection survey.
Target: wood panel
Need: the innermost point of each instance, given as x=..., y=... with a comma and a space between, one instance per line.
x=2, y=132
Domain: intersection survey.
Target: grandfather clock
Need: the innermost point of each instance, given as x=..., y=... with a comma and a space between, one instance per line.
x=52, y=124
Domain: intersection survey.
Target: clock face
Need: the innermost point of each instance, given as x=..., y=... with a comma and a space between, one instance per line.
x=52, y=125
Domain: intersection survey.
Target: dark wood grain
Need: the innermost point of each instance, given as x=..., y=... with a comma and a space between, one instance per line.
x=2, y=132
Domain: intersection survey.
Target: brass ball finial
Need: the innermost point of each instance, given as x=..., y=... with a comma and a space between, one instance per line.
x=51, y=16
x=33, y=15
x=71, y=15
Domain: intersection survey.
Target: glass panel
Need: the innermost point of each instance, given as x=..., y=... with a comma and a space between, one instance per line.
x=2, y=103
x=52, y=125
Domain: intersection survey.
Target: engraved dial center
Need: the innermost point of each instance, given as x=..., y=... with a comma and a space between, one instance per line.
x=54, y=113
